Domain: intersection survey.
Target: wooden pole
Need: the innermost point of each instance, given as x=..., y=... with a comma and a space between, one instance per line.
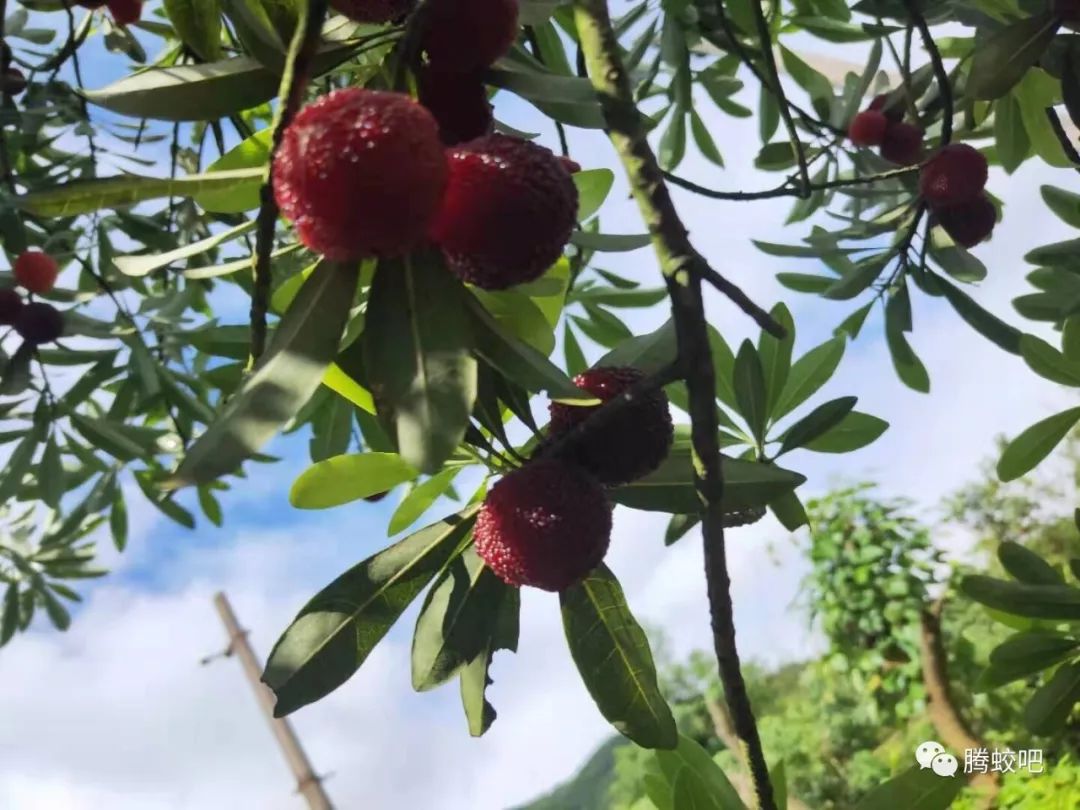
x=308, y=784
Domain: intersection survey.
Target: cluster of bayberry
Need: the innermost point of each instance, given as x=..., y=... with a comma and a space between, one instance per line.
x=882, y=124
x=36, y=322
x=367, y=173
x=952, y=182
x=548, y=524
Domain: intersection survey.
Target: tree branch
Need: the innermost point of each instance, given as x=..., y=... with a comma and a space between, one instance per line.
x=786, y=190
x=742, y=301
x=941, y=76
x=680, y=264
x=290, y=96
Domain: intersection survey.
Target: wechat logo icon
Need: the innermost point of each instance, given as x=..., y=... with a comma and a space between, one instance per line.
x=934, y=756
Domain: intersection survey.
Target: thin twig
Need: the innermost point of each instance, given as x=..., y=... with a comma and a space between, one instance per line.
x=83, y=106
x=291, y=94
x=742, y=301
x=1063, y=138
x=941, y=75
x=678, y=260
x=5, y=161
x=786, y=190
x=534, y=43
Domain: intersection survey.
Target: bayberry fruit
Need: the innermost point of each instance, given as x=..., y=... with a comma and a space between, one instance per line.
x=38, y=323
x=868, y=128
x=627, y=446
x=361, y=173
x=956, y=173
x=902, y=144
x=570, y=164
x=547, y=525
x=509, y=209
x=10, y=305
x=125, y=12
x=459, y=103
x=968, y=223
x=373, y=11
x=12, y=82
x=892, y=108
x=467, y=35
x=36, y=271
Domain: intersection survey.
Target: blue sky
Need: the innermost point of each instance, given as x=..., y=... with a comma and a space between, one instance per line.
x=117, y=712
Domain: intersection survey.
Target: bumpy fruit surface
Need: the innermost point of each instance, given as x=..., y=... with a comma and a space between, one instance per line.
x=955, y=174
x=360, y=173
x=893, y=109
x=38, y=323
x=868, y=128
x=467, y=35
x=11, y=303
x=36, y=271
x=459, y=103
x=546, y=525
x=508, y=212
x=631, y=443
x=902, y=144
x=968, y=223
x=12, y=82
x=373, y=11
x=125, y=12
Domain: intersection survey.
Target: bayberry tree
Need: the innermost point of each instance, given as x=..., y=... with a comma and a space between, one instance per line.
x=408, y=259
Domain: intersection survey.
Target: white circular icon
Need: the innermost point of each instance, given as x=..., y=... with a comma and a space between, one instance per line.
x=926, y=752
x=944, y=764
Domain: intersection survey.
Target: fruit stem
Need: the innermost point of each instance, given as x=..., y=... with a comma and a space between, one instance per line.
x=681, y=265
x=294, y=80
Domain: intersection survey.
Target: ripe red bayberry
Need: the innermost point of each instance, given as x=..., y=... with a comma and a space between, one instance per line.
x=956, y=174
x=868, y=128
x=125, y=12
x=36, y=271
x=466, y=35
x=968, y=223
x=459, y=103
x=12, y=82
x=629, y=445
x=360, y=173
x=509, y=209
x=10, y=305
x=902, y=144
x=570, y=164
x=546, y=525
x=38, y=323
x=373, y=11
x=892, y=108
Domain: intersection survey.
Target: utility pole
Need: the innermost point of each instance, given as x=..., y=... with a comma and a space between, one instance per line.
x=308, y=784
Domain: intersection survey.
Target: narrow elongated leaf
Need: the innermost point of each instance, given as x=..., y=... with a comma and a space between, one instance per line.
x=1048, y=362
x=1049, y=708
x=613, y=657
x=198, y=24
x=1025, y=565
x=1025, y=452
x=775, y=354
x=301, y=348
x=17, y=465
x=609, y=242
x=985, y=323
x=141, y=265
x=914, y=789
x=808, y=374
x=343, y=479
x=1025, y=654
x=1066, y=204
x=420, y=500
x=649, y=353
x=1022, y=599
x=1003, y=59
x=475, y=678
x=750, y=392
x=418, y=357
x=1010, y=137
x=593, y=186
x=855, y=431
x=9, y=616
x=705, y=783
x=51, y=474
x=817, y=423
x=789, y=510
x=336, y=631
x=253, y=152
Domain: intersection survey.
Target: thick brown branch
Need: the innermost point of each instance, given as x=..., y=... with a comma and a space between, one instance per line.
x=680, y=264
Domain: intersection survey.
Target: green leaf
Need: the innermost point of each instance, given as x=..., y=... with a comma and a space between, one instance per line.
x=855, y=431
x=858, y=279
x=251, y=153
x=568, y=99
x=418, y=357
x=689, y=763
x=51, y=475
x=1025, y=452
x=678, y=526
x=575, y=358
x=302, y=346
x=1005, y=56
x=704, y=140
x=747, y=484
x=520, y=316
x=475, y=678
x=775, y=156
x=816, y=85
x=1010, y=137
x=613, y=657
x=1025, y=565
x=198, y=24
x=723, y=366
x=805, y=282
x=1048, y=362
x=1023, y=655
x=343, y=479
x=750, y=391
x=775, y=354
x=610, y=243
x=908, y=366
x=817, y=423
x=673, y=142
x=142, y=265
x=1060, y=602
x=86, y=196
x=335, y=632
x=1037, y=92
x=17, y=466
x=985, y=323
x=593, y=187
x=1066, y=204
x=914, y=789
x=1049, y=708
x=808, y=374
x=457, y=620
x=420, y=500
x=54, y=609
x=650, y=352
x=789, y=510
x=768, y=114
x=118, y=520
x=9, y=618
